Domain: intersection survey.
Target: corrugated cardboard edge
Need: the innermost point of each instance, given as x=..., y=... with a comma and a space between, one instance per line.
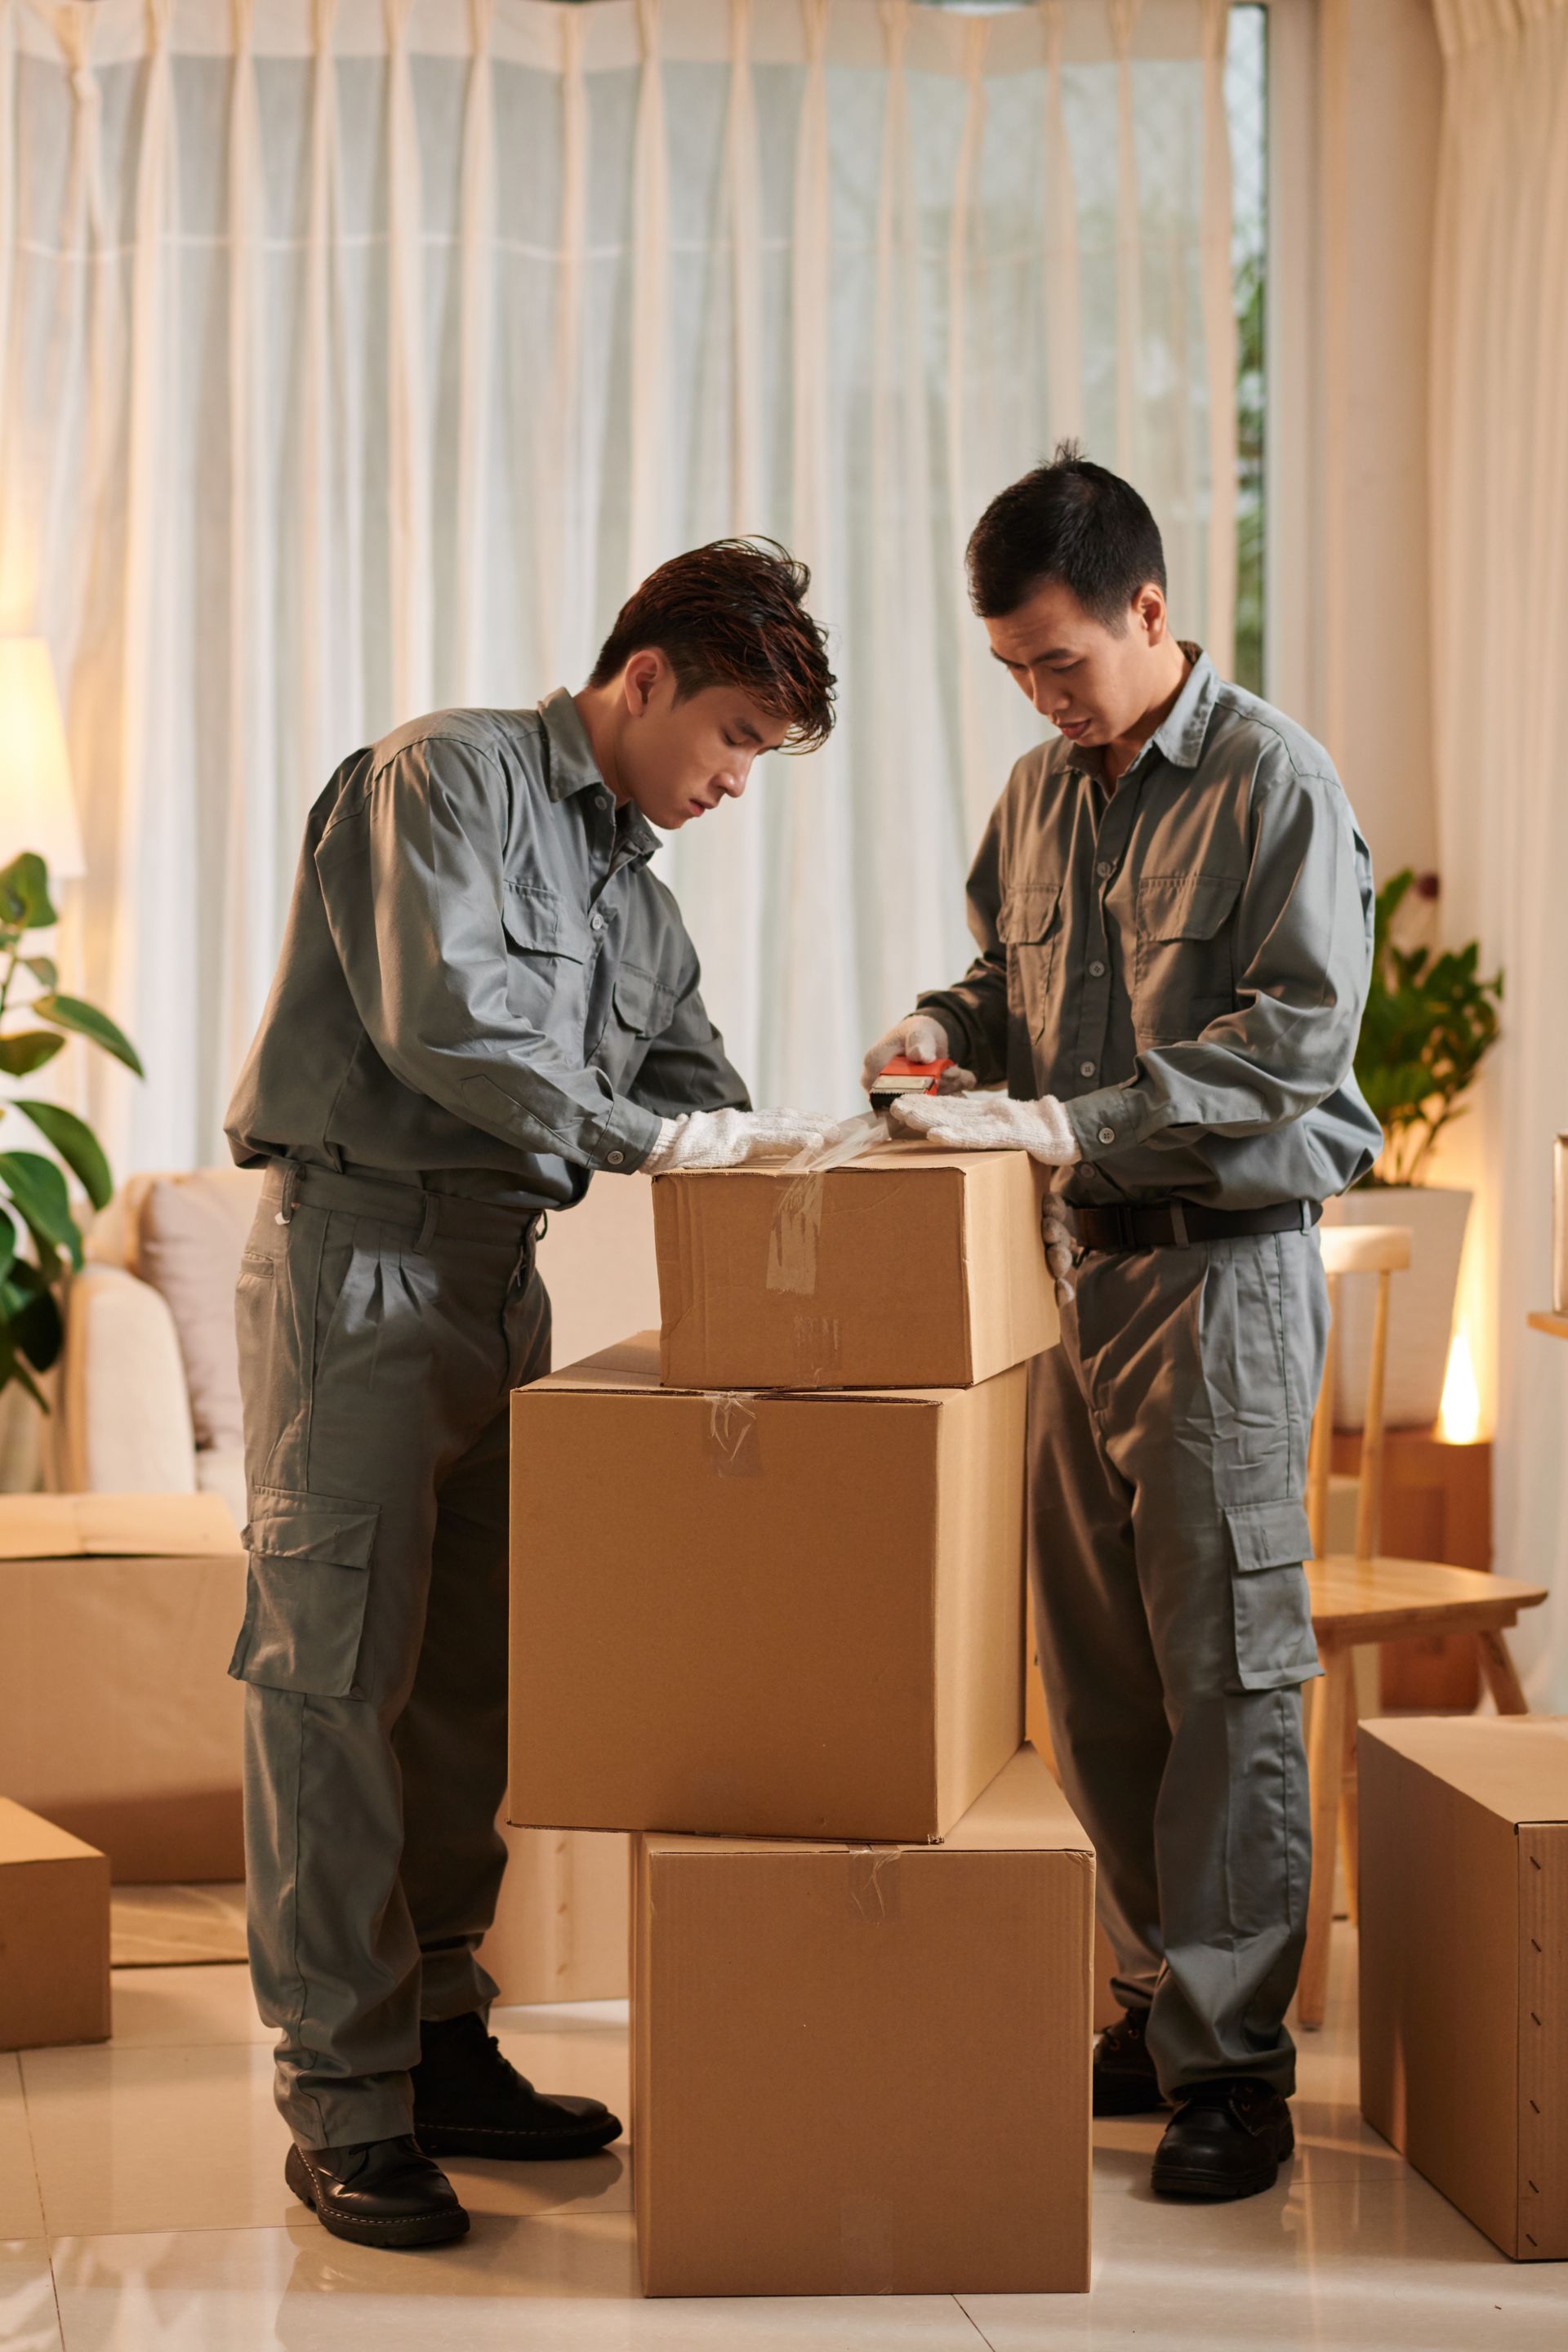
x=1543, y=2042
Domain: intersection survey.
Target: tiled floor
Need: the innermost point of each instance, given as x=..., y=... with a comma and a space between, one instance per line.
x=143, y=2206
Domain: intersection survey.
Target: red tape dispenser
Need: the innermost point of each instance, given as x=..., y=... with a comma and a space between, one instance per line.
x=903, y=1076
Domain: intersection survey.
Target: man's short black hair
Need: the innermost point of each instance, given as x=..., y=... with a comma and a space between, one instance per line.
x=1068, y=520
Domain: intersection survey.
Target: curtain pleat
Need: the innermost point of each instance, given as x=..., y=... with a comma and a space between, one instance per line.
x=361, y=356
x=1220, y=342
x=1500, y=539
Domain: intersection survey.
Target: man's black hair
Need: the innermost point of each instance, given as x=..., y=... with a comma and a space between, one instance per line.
x=1068, y=520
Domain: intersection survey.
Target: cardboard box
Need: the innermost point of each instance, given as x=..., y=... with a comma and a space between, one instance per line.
x=770, y=1616
x=866, y=2071
x=561, y=1927
x=907, y=1269
x=54, y=1934
x=1464, y=1964
x=118, y=1721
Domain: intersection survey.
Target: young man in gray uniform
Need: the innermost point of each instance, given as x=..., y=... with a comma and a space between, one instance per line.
x=1174, y=912
x=483, y=997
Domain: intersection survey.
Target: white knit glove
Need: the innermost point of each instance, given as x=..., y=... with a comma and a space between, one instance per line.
x=984, y=1122
x=725, y=1138
x=919, y=1038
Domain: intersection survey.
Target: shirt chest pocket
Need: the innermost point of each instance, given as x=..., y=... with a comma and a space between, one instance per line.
x=546, y=964
x=1185, y=965
x=1029, y=927
x=644, y=1008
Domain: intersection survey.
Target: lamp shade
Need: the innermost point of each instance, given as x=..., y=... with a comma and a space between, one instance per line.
x=38, y=805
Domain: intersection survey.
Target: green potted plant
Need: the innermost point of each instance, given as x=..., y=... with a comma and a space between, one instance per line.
x=1431, y=1019
x=39, y=1235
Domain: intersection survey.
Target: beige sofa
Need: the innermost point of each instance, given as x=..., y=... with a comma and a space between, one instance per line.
x=148, y=1403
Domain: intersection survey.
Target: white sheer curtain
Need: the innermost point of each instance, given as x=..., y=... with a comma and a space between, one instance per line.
x=359, y=354
x=1500, y=543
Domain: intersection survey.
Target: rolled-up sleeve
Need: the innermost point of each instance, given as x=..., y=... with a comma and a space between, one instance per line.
x=1303, y=953
x=973, y=1012
x=410, y=880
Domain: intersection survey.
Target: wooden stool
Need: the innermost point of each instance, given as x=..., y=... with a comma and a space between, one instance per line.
x=1360, y=1599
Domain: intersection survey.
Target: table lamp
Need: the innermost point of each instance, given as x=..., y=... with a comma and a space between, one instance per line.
x=38, y=806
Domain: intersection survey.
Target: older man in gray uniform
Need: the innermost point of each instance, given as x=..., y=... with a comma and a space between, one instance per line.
x=1173, y=908
x=483, y=997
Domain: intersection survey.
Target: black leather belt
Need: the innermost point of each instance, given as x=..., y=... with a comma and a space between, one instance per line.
x=1168, y=1225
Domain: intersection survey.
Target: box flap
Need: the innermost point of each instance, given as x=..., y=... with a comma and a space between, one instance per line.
x=27, y=1837
x=631, y=1369
x=1515, y=1766
x=65, y=1526
x=883, y=1156
x=1022, y=1812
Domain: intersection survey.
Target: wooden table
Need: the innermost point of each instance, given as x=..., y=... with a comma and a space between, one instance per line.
x=1554, y=1325
x=1437, y=1505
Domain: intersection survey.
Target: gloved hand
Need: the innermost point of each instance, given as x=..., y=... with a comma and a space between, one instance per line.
x=725, y=1138
x=919, y=1038
x=1057, y=1234
x=989, y=1123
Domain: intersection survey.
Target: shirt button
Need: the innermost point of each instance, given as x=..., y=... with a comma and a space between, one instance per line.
x=1104, y=869
x=598, y=923
x=1108, y=1135
x=615, y=1159
x=1097, y=971
x=1086, y=1069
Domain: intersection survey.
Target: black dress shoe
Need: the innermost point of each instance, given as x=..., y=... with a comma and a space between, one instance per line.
x=470, y=2101
x=1125, y=2083
x=383, y=2192
x=1225, y=2139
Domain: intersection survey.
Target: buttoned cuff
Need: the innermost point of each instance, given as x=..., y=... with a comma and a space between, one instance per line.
x=1105, y=1121
x=626, y=1137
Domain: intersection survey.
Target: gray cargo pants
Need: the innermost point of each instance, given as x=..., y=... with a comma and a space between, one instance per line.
x=381, y=1329
x=1169, y=1446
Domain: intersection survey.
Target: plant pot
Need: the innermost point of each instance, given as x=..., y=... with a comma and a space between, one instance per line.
x=1421, y=1308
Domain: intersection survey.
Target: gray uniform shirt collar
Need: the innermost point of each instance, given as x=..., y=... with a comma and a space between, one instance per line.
x=1181, y=734
x=573, y=768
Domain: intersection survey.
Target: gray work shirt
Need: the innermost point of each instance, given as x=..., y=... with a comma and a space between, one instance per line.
x=481, y=985
x=1182, y=962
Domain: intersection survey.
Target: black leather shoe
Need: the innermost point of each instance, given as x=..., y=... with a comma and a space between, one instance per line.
x=383, y=2193
x=1125, y=2083
x=470, y=2101
x=1225, y=2139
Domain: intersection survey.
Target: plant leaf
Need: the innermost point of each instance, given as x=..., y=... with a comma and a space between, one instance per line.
x=44, y=969
x=28, y=1050
x=70, y=1013
x=77, y=1146
x=12, y=1368
x=32, y=1315
x=25, y=893
x=7, y=1242
x=38, y=1191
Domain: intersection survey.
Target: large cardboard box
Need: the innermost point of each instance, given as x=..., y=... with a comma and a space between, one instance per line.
x=866, y=2070
x=773, y=1616
x=907, y=1269
x=54, y=1934
x=1464, y=1964
x=117, y=1720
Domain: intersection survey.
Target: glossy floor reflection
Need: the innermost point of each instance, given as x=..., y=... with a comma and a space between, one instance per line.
x=142, y=2206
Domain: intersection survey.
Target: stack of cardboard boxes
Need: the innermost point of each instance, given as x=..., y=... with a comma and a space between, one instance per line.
x=767, y=1613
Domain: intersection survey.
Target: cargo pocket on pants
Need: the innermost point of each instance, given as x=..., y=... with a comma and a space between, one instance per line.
x=305, y=1597
x=1275, y=1647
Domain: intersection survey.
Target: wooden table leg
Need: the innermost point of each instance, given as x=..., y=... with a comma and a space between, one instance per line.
x=1330, y=1705
x=1502, y=1678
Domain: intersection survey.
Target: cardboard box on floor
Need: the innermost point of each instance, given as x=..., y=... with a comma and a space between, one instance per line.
x=118, y=1721
x=762, y=1615
x=1464, y=1964
x=54, y=1934
x=907, y=1269
x=866, y=2071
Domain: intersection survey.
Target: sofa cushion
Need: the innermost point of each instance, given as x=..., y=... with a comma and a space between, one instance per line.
x=189, y=1236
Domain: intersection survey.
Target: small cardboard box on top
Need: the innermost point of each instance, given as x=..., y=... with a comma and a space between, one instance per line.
x=907, y=1269
x=762, y=1615
x=54, y=1934
x=1464, y=1964
x=866, y=2071
x=117, y=1720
